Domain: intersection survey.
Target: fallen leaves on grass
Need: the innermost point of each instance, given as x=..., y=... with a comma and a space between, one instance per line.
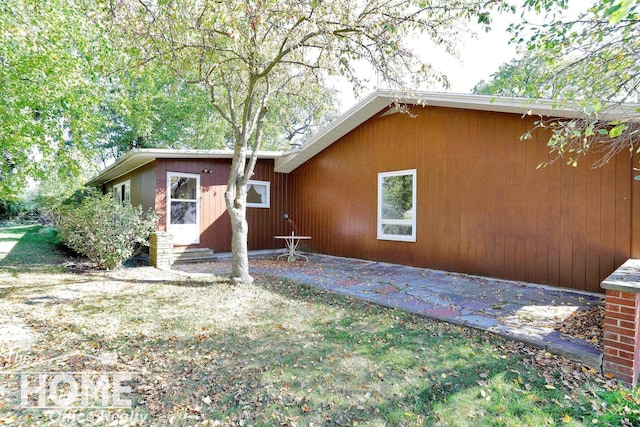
x=284, y=353
x=585, y=324
x=557, y=370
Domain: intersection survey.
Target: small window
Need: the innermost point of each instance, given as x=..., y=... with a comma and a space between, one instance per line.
x=122, y=193
x=258, y=194
x=397, y=205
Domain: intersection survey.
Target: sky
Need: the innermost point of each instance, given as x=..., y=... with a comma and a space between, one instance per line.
x=478, y=57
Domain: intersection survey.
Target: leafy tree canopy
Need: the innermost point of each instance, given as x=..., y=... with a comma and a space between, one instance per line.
x=51, y=77
x=72, y=100
x=589, y=63
x=150, y=107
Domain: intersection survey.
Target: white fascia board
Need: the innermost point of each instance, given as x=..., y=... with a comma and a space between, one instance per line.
x=139, y=157
x=524, y=106
x=130, y=161
x=200, y=154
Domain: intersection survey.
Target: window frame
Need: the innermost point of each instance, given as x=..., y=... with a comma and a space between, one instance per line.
x=381, y=235
x=124, y=197
x=267, y=203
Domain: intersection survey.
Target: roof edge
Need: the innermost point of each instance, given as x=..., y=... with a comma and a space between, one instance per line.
x=380, y=99
x=139, y=157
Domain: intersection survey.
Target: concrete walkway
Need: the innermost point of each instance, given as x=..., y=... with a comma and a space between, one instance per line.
x=516, y=310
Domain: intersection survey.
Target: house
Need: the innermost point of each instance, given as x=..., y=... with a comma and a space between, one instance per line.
x=186, y=188
x=449, y=186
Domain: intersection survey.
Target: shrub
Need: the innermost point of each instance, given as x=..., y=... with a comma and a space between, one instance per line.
x=104, y=231
x=12, y=208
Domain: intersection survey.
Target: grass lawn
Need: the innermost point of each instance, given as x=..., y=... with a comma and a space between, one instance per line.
x=200, y=352
x=29, y=248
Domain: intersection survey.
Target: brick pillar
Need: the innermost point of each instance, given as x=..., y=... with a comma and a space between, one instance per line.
x=621, y=338
x=161, y=250
x=622, y=324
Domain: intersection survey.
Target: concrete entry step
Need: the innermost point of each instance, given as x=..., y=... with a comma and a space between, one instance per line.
x=185, y=255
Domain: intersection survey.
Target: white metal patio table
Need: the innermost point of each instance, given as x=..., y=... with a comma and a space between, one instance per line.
x=293, y=241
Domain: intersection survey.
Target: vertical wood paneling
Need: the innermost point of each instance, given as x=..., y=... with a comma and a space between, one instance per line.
x=623, y=208
x=522, y=198
x=579, y=224
x=554, y=207
x=439, y=166
x=429, y=177
x=494, y=193
x=485, y=135
x=450, y=227
x=462, y=213
x=215, y=226
x=534, y=191
x=566, y=225
x=593, y=216
x=483, y=206
x=545, y=272
x=473, y=196
x=509, y=217
x=465, y=187
x=608, y=219
x=635, y=209
x=161, y=195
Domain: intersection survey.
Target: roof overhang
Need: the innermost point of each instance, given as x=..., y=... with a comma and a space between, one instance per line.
x=139, y=157
x=379, y=100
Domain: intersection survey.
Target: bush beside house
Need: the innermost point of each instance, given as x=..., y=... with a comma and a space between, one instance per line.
x=104, y=231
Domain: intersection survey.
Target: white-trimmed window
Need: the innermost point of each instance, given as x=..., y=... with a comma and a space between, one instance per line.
x=258, y=194
x=122, y=193
x=397, y=205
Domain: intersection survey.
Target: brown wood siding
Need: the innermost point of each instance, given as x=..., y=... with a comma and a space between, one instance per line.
x=635, y=210
x=215, y=225
x=142, y=186
x=483, y=205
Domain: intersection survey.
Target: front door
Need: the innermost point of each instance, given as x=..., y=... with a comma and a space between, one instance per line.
x=183, y=207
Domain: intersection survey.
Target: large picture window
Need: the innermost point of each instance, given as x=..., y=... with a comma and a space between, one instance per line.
x=258, y=194
x=397, y=205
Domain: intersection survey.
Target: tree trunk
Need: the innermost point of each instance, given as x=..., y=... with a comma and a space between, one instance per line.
x=236, y=200
x=241, y=170
x=240, y=255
